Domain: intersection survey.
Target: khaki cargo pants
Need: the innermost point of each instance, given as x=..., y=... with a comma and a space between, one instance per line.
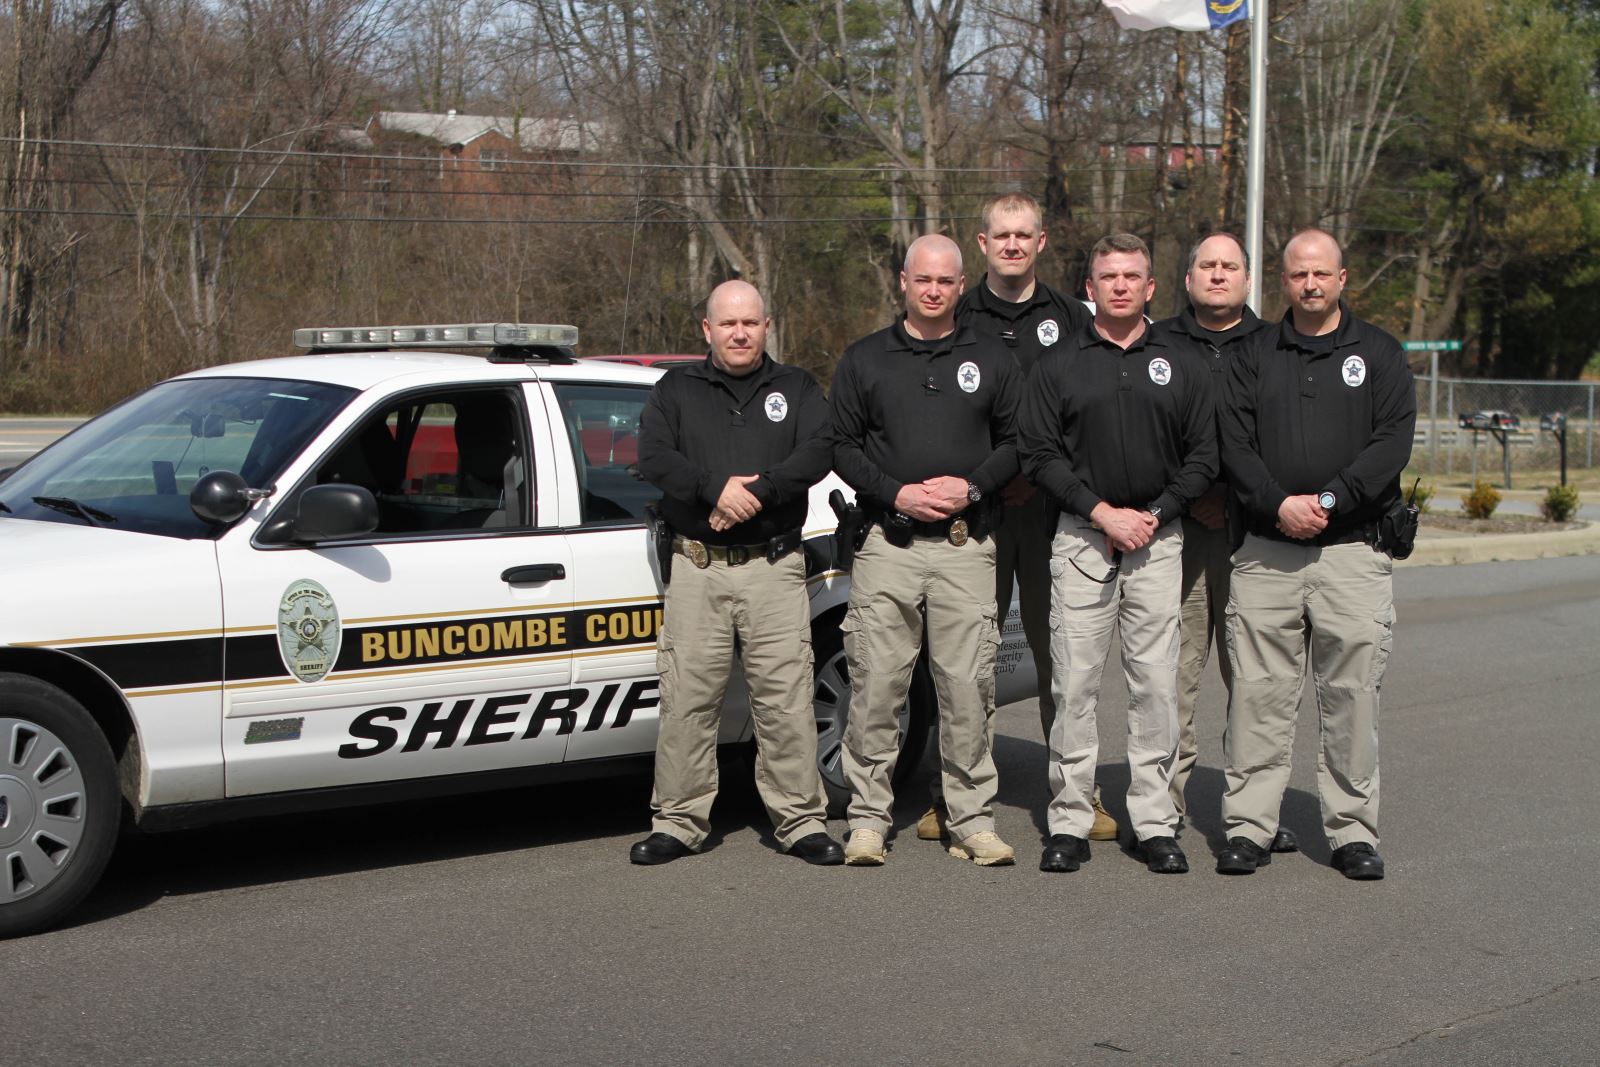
x=1142, y=599
x=765, y=606
x=1339, y=600
x=890, y=589
x=1022, y=558
x=1206, y=570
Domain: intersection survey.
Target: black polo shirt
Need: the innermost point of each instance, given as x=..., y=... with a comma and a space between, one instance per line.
x=1311, y=414
x=1214, y=348
x=906, y=410
x=701, y=426
x=1133, y=429
x=1028, y=329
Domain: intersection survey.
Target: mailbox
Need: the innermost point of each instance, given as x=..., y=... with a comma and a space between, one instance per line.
x=1497, y=424
x=1489, y=420
x=1555, y=422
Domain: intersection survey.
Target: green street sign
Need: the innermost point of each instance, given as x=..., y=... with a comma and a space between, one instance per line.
x=1433, y=346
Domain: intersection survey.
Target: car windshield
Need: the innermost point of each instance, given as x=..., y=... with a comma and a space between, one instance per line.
x=133, y=467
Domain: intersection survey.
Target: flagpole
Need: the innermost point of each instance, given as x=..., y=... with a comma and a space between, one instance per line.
x=1256, y=150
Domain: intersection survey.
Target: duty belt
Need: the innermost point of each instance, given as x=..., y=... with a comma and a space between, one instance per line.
x=1364, y=534
x=703, y=555
x=898, y=529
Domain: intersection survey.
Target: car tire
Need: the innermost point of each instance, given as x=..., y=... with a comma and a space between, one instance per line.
x=61, y=809
x=830, y=702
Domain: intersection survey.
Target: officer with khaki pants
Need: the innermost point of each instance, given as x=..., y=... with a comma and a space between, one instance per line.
x=1119, y=428
x=1216, y=324
x=923, y=417
x=890, y=587
x=1009, y=307
x=1316, y=429
x=1141, y=596
x=734, y=444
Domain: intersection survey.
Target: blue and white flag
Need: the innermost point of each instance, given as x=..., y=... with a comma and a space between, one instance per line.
x=1177, y=14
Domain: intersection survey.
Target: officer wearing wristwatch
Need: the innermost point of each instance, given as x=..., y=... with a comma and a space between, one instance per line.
x=1327, y=501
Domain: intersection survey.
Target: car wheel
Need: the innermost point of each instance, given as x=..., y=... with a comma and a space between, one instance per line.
x=59, y=807
x=830, y=701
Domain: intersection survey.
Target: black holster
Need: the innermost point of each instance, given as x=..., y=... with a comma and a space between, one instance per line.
x=851, y=532
x=1397, y=529
x=661, y=534
x=897, y=529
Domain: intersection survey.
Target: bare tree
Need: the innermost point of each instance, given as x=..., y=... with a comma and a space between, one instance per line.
x=898, y=84
x=683, y=83
x=55, y=48
x=1349, y=63
x=213, y=84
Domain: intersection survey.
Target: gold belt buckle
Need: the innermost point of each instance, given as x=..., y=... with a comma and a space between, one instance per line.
x=958, y=532
x=697, y=553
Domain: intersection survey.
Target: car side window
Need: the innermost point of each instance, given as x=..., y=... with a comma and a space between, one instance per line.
x=602, y=425
x=449, y=461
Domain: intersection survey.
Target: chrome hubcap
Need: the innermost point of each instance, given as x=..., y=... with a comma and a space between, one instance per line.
x=830, y=703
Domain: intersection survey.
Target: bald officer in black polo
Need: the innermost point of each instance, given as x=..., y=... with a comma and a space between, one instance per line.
x=924, y=421
x=1011, y=309
x=1316, y=428
x=735, y=443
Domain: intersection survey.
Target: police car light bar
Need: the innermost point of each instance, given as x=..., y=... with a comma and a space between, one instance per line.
x=454, y=335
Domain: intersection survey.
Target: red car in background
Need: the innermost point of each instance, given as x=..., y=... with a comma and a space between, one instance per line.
x=650, y=361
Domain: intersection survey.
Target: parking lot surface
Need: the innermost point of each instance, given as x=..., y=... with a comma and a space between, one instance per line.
x=21, y=438
x=509, y=927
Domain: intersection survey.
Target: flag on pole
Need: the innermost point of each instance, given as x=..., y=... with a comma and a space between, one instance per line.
x=1177, y=14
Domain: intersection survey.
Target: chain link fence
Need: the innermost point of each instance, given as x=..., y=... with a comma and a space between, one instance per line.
x=1444, y=448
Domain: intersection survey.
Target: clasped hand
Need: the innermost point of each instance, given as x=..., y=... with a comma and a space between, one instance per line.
x=1126, y=529
x=933, y=500
x=736, y=504
x=1301, y=517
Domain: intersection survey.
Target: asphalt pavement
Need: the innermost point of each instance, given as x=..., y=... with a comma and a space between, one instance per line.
x=509, y=927
x=22, y=437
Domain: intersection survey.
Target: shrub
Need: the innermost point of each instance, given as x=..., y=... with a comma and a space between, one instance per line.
x=1560, y=503
x=1422, y=496
x=1481, y=502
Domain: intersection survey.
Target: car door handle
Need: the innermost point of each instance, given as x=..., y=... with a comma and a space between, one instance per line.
x=534, y=572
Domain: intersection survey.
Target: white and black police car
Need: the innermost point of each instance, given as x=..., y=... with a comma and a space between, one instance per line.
x=413, y=561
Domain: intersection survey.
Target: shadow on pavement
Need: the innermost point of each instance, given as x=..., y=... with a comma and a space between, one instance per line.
x=286, y=848
x=1023, y=785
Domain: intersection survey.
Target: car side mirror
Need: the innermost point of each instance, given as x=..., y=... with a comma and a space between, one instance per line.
x=222, y=497
x=326, y=513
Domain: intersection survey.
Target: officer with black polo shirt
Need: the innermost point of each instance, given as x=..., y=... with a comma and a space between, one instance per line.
x=1316, y=428
x=1011, y=308
x=923, y=421
x=1216, y=324
x=735, y=443
x=1119, y=428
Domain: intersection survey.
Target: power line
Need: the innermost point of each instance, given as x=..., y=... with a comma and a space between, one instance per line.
x=817, y=177
x=466, y=220
x=385, y=190
x=531, y=163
